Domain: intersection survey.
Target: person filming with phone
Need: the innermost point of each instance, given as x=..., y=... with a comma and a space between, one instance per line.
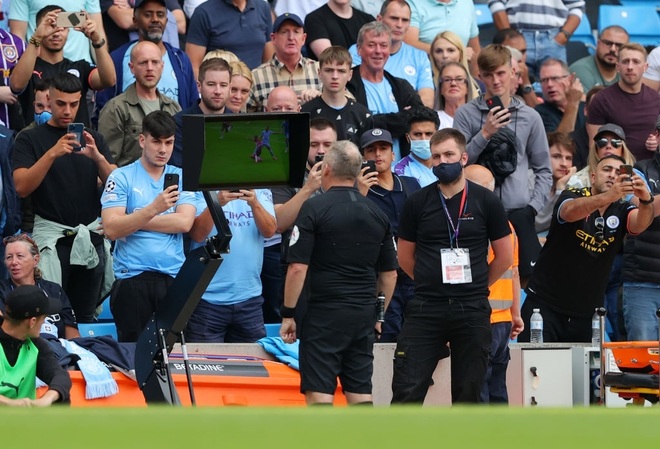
x=60, y=171
x=146, y=213
x=497, y=121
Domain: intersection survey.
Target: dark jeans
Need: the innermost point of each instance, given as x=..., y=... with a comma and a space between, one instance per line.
x=404, y=291
x=493, y=389
x=82, y=285
x=236, y=323
x=272, y=281
x=134, y=300
x=557, y=327
x=429, y=326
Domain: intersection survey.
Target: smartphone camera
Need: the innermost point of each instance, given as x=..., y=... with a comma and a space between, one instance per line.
x=77, y=129
x=318, y=158
x=371, y=166
x=626, y=170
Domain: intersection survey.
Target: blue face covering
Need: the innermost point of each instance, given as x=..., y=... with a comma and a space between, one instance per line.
x=42, y=117
x=421, y=149
x=448, y=173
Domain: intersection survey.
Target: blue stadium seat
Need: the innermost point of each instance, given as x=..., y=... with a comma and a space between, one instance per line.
x=106, y=314
x=484, y=17
x=272, y=330
x=641, y=22
x=655, y=3
x=97, y=329
x=585, y=34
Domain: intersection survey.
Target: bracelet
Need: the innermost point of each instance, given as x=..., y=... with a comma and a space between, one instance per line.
x=566, y=33
x=35, y=42
x=287, y=312
x=646, y=202
x=99, y=45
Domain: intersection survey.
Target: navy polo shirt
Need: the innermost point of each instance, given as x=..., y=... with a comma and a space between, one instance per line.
x=218, y=24
x=391, y=201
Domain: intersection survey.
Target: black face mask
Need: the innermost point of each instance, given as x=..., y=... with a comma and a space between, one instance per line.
x=448, y=173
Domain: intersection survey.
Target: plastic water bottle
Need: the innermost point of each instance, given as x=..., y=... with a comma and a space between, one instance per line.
x=536, y=327
x=595, y=330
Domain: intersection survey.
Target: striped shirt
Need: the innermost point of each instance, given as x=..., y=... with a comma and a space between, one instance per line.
x=274, y=73
x=12, y=49
x=537, y=14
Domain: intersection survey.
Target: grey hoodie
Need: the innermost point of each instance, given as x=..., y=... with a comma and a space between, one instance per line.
x=532, y=147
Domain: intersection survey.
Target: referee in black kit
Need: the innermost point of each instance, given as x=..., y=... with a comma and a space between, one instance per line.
x=343, y=243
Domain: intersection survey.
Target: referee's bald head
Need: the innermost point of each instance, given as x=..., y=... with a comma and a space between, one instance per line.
x=343, y=159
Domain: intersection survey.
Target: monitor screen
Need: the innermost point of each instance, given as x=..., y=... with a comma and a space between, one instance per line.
x=244, y=151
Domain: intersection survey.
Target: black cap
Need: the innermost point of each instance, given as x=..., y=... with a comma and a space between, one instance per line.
x=375, y=135
x=139, y=3
x=27, y=301
x=284, y=17
x=611, y=128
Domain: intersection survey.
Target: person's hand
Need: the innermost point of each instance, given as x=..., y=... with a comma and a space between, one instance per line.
x=517, y=326
x=366, y=180
x=308, y=94
x=497, y=118
x=225, y=196
x=314, y=178
x=561, y=182
x=166, y=199
x=88, y=28
x=574, y=90
x=41, y=402
x=622, y=186
x=639, y=188
x=90, y=149
x=249, y=196
x=7, y=96
x=523, y=70
x=24, y=402
x=469, y=53
x=64, y=145
x=561, y=39
x=379, y=329
x=47, y=26
x=288, y=330
x=651, y=143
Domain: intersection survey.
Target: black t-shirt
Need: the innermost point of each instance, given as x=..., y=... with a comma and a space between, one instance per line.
x=574, y=266
x=351, y=121
x=345, y=240
x=322, y=23
x=65, y=317
x=424, y=223
x=391, y=201
x=69, y=193
x=44, y=70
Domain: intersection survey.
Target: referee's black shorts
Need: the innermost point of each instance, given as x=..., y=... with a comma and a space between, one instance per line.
x=337, y=342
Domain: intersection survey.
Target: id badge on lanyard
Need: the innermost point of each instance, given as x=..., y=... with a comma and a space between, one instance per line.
x=455, y=261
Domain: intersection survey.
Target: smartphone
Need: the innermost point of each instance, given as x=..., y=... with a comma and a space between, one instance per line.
x=626, y=170
x=171, y=179
x=77, y=129
x=318, y=158
x=493, y=101
x=71, y=19
x=371, y=165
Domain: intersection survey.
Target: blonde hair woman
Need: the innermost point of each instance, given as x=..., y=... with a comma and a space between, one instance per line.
x=239, y=89
x=447, y=47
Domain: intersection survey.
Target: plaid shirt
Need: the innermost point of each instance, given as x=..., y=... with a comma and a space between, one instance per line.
x=273, y=73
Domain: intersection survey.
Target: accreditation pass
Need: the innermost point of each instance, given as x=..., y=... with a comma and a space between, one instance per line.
x=456, y=266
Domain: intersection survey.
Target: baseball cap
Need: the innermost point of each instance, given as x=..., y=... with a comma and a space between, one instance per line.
x=287, y=16
x=27, y=301
x=375, y=135
x=139, y=3
x=611, y=128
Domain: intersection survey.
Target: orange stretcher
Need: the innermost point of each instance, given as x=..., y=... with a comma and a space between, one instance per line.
x=217, y=381
x=639, y=362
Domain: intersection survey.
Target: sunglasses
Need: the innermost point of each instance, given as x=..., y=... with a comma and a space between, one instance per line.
x=600, y=228
x=603, y=141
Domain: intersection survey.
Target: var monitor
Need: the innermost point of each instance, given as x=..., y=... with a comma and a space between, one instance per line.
x=244, y=151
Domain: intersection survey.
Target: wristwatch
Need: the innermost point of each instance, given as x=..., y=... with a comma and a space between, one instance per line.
x=100, y=44
x=527, y=88
x=566, y=33
x=646, y=202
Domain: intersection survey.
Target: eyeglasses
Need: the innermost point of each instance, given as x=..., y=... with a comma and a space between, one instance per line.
x=459, y=80
x=554, y=79
x=600, y=228
x=610, y=43
x=602, y=142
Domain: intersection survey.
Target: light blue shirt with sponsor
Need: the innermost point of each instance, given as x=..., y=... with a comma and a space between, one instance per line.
x=409, y=63
x=239, y=276
x=168, y=85
x=380, y=100
x=409, y=166
x=132, y=188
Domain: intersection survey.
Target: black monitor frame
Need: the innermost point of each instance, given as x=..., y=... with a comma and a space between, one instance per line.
x=195, y=145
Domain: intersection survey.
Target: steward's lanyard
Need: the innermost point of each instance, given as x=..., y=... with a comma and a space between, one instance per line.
x=461, y=212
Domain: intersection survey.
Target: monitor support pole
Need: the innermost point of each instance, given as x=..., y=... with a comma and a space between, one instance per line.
x=163, y=331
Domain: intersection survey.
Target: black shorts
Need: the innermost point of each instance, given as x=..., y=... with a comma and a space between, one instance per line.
x=337, y=343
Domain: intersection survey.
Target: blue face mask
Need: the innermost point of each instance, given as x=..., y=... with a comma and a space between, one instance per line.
x=448, y=173
x=421, y=149
x=42, y=117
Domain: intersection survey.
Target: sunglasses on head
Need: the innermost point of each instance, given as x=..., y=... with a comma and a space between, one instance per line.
x=603, y=141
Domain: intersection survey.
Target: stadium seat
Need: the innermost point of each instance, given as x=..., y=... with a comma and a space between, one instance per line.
x=484, y=17
x=641, y=22
x=272, y=330
x=585, y=34
x=105, y=315
x=97, y=329
x=655, y=3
